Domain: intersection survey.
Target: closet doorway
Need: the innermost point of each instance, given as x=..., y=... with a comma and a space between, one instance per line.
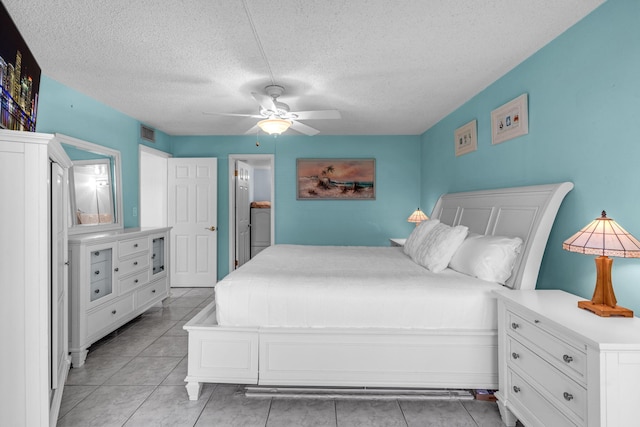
x=251, y=182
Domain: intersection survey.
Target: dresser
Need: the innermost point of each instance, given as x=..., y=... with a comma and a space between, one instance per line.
x=34, y=360
x=560, y=365
x=115, y=276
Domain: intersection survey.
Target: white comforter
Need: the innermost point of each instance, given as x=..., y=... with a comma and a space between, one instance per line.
x=338, y=286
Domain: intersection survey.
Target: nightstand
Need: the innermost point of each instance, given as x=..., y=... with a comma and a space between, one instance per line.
x=397, y=242
x=560, y=365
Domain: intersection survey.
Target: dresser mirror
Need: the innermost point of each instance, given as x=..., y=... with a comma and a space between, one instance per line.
x=95, y=195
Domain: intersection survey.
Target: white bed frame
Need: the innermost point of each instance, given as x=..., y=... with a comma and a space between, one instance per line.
x=361, y=357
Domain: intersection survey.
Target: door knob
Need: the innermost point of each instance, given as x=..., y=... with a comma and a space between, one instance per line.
x=212, y=228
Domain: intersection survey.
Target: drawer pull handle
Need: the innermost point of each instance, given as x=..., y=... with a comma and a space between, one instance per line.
x=135, y=245
x=135, y=281
x=153, y=291
x=97, y=291
x=567, y=358
x=514, y=325
x=113, y=312
x=96, y=272
x=115, y=269
x=516, y=389
x=97, y=253
x=536, y=321
x=567, y=396
x=515, y=355
x=135, y=263
x=153, y=256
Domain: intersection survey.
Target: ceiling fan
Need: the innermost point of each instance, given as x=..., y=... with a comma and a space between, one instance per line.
x=277, y=117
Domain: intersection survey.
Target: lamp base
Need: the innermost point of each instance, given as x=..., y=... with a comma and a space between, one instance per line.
x=604, y=310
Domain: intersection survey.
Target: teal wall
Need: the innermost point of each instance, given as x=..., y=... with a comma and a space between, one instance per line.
x=64, y=110
x=584, y=103
x=345, y=222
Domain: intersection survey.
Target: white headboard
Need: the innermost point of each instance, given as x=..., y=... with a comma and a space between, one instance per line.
x=525, y=212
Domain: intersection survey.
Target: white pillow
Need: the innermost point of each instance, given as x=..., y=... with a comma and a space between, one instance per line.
x=439, y=245
x=417, y=236
x=488, y=258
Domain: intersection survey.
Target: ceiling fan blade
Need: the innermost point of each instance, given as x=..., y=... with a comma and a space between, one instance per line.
x=265, y=101
x=320, y=114
x=254, y=129
x=302, y=128
x=213, y=113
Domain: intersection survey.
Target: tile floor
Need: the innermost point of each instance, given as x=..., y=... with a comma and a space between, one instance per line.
x=135, y=377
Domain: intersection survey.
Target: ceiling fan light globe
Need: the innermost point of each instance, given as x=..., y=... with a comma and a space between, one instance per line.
x=274, y=125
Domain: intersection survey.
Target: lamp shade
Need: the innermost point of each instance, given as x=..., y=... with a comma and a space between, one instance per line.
x=604, y=237
x=417, y=216
x=274, y=125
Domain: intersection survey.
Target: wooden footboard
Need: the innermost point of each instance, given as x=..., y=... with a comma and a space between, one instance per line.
x=338, y=357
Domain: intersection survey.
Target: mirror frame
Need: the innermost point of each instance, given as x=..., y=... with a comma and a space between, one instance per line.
x=118, y=224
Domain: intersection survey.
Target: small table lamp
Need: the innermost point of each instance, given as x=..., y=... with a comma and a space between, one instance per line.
x=417, y=217
x=604, y=237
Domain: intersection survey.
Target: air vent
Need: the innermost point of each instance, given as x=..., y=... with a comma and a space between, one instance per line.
x=147, y=133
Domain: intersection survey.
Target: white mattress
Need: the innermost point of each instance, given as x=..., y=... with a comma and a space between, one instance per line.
x=352, y=286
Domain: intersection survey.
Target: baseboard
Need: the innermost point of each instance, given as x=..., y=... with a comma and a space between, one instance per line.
x=357, y=393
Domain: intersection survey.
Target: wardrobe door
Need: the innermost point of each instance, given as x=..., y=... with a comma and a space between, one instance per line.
x=59, y=255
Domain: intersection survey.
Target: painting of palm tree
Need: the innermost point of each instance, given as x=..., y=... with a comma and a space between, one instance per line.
x=338, y=179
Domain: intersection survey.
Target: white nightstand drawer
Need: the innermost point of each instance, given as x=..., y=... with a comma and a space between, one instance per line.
x=133, y=264
x=557, y=386
x=127, y=247
x=539, y=407
x=564, y=356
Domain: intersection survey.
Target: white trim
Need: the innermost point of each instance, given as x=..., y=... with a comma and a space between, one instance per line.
x=154, y=151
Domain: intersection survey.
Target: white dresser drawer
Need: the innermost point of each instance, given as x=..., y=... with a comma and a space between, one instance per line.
x=528, y=397
x=100, y=270
x=131, y=246
x=562, y=355
x=108, y=314
x=102, y=255
x=100, y=289
x=558, y=387
x=134, y=281
x=151, y=292
x=134, y=264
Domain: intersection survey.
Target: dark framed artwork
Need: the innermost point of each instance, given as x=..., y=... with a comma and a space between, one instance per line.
x=19, y=78
x=336, y=179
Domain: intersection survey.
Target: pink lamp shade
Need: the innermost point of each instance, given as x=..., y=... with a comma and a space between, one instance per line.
x=417, y=217
x=604, y=237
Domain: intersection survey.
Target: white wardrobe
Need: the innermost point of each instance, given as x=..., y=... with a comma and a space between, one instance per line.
x=34, y=359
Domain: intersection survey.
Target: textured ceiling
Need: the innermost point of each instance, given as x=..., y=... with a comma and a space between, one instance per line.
x=390, y=67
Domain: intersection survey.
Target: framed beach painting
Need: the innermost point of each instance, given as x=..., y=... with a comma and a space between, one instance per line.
x=336, y=179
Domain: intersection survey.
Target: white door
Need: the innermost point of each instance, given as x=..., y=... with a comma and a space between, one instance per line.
x=192, y=200
x=242, y=175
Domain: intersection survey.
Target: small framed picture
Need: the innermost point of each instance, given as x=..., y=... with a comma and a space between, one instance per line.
x=510, y=121
x=466, y=138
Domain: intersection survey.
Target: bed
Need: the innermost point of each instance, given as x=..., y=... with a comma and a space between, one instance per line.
x=365, y=316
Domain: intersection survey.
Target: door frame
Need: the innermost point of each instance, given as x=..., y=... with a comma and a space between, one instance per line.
x=248, y=158
x=160, y=154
